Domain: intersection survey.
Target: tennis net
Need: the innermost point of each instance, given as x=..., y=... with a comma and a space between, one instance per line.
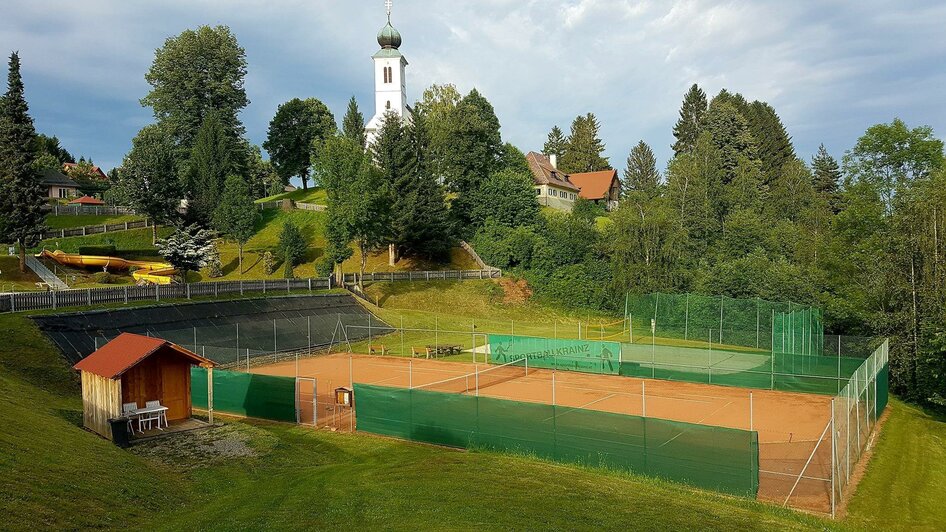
x=473, y=382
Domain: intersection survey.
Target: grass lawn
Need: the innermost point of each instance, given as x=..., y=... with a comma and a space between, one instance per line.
x=312, y=225
x=11, y=279
x=313, y=195
x=904, y=483
x=67, y=222
x=57, y=475
x=131, y=244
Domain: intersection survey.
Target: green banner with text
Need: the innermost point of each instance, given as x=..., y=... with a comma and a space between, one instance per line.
x=589, y=356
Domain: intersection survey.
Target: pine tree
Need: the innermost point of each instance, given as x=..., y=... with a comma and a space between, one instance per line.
x=826, y=177
x=22, y=218
x=556, y=143
x=641, y=174
x=353, y=125
x=690, y=124
x=211, y=161
x=235, y=217
x=583, y=153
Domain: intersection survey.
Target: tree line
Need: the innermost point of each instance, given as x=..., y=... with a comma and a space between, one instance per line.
x=737, y=212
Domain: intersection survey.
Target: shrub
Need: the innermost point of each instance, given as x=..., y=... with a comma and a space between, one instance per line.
x=269, y=263
x=97, y=249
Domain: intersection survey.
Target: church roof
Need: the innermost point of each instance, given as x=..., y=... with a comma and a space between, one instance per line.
x=543, y=173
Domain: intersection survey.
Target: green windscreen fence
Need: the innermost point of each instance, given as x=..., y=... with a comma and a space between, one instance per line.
x=767, y=325
x=246, y=394
x=716, y=458
x=730, y=366
x=588, y=356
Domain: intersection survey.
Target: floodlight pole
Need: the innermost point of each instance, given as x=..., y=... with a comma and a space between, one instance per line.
x=238, y=344
x=553, y=387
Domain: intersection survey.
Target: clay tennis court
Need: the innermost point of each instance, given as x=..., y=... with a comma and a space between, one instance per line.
x=789, y=425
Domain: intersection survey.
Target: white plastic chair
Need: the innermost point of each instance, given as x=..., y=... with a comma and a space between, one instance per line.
x=128, y=410
x=160, y=416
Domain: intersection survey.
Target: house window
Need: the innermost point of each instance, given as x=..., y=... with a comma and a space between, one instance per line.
x=388, y=105
x=538, y=192
x=63, y=193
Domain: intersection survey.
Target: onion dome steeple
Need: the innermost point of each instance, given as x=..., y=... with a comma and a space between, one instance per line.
x=388, y=37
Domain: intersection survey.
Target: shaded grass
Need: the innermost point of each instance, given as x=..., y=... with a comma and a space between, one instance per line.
x=903, y=485
x=66, y=222
x=12, y=279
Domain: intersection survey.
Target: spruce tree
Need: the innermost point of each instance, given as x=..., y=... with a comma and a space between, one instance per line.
x=641, y=174
x=826, y=177
x=210, y=163
x=690, y=124
x=22, y=217
x=353, y=125
x=236, y=216
x=730, y=132
x=391, y=154
x=292, y=247
x=556, y=143
x=585, y=147
x=774, y=143
x=427, y=224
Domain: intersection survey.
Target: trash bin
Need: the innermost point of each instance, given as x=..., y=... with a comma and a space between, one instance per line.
x=120, y=434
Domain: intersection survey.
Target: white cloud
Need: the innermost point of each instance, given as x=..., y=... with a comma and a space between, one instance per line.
x=830, y=69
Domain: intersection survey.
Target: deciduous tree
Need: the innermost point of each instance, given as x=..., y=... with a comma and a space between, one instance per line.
x=295, y=133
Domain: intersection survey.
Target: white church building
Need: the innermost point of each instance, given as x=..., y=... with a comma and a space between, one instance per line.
x=390, y=86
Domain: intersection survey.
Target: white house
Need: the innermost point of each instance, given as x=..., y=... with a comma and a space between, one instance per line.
x=552, y=188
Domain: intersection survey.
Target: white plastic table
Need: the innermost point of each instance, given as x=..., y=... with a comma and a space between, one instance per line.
x=153, y=410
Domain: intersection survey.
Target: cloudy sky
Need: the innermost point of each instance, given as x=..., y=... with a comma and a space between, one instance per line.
x=830, y=68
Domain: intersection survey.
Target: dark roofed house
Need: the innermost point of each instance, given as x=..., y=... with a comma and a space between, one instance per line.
x=552, y=187
x=58, y=185
x=602, y=187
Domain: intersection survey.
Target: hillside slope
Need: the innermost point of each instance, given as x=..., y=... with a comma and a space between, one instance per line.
x=58, y=475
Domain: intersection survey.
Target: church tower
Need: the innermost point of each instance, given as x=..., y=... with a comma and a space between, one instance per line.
x=390, y=87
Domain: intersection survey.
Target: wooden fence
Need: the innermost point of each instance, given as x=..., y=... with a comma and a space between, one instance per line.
x=83, y=297
x=96, y=229
x=21, y=301
x=97, y=210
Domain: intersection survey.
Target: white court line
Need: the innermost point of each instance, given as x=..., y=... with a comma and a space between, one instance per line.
x=700, y=422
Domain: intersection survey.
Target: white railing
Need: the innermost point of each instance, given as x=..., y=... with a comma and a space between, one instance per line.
x=428, y=275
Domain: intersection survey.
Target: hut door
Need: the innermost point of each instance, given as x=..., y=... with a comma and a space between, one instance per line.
x=305, y=401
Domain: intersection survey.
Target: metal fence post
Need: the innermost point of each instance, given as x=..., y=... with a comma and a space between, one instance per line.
x=834, y=460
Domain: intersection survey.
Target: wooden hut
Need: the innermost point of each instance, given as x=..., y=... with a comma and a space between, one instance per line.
x=135, y=368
